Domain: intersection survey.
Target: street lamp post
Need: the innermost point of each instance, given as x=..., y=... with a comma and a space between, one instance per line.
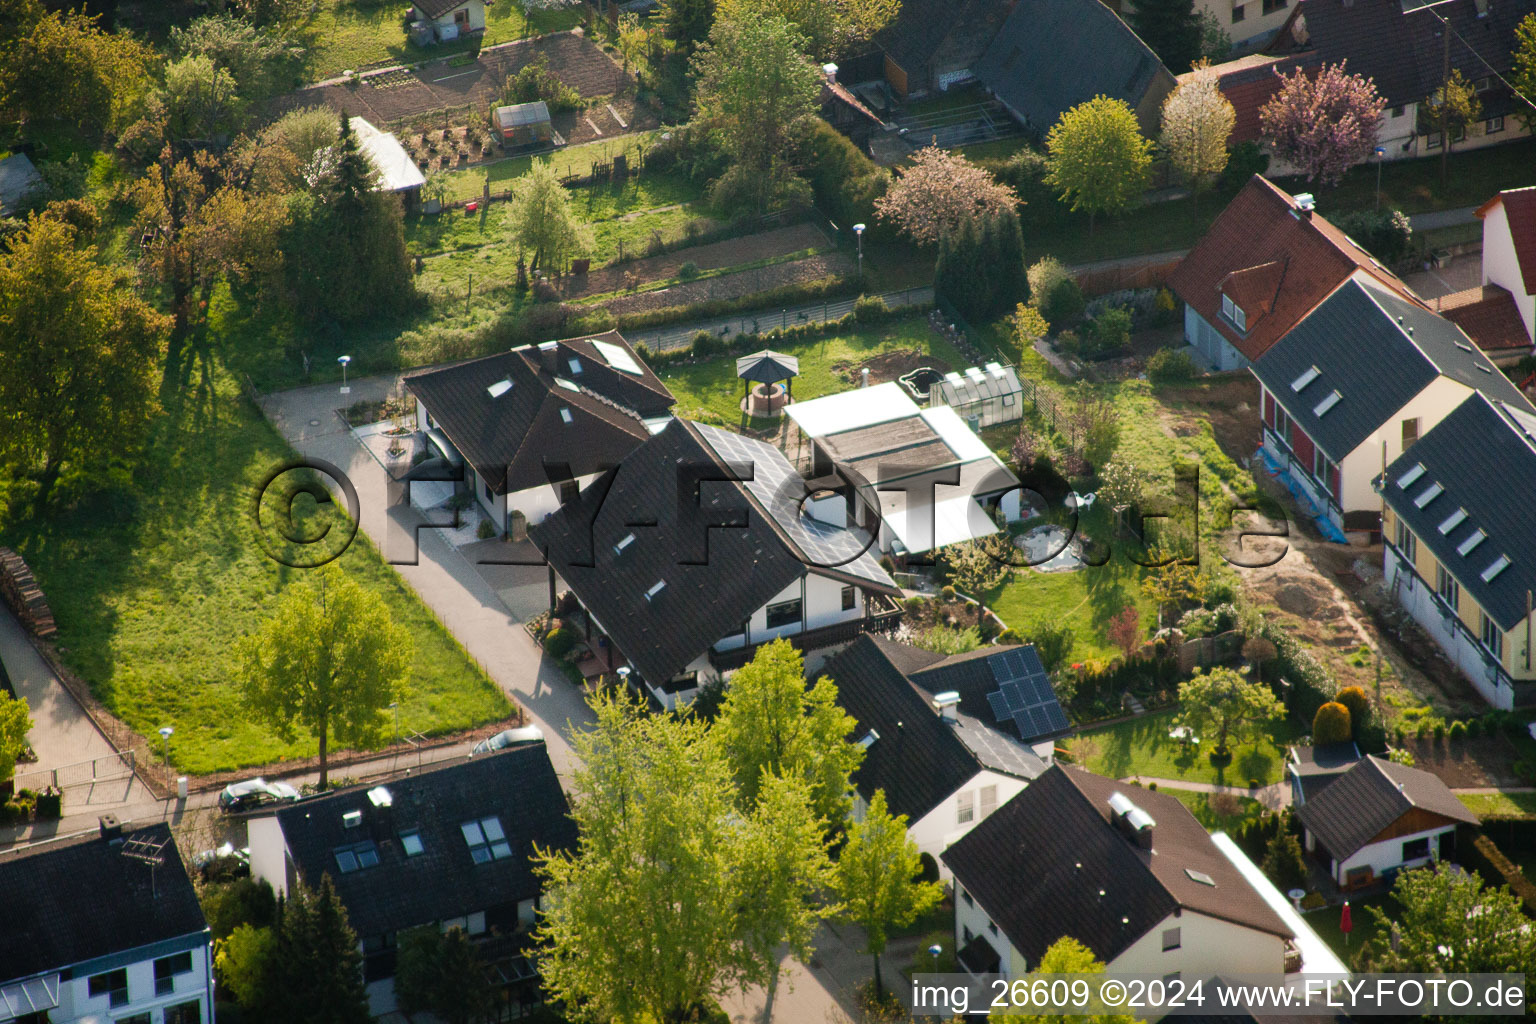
x=1380, y=153
x=165, y=742
x=344, y=360
x=858, y=233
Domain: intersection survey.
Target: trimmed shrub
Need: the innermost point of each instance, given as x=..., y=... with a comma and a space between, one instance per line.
x=560, y=641
x=486, y=530
x=1385, y=234
x=1171, y=366
x=706, y=345
x=1331, y=724
x=1474, y=727
x=688, y=271
x=1284, y=863
x=1359, y=705
x=1457, y=731
x=870, y=309
x=50, y=805
x=1063, y=303
x=1109, y=334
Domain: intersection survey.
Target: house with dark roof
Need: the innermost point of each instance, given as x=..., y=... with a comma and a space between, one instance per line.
x=1458, y=553
x=530, y=427
x=703, y=545
x=450, y=19
x=1380, y=818
x=1052, y=55
x=103, y=926
x=450, y=845
x=1400, y=47
x=1266, y=262
x=933, y=45
x=948, y=739
x=1311, y=767
x=1509, y=261
x=1127, y=872
x=1360, y=380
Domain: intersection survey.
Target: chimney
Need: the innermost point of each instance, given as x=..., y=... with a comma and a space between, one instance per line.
x=1134, y=823
x=947, y=703
x=830, y=70
x=864, y=377
x=111, y=828
x=547, y=353
x=1305, y=204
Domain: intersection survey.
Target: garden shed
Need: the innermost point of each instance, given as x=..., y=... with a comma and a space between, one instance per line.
x=982, y=396
x=524, y=124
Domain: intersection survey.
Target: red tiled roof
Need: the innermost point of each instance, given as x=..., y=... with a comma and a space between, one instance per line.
x=835, y=92
x=1260, y=242
x=1490, y=318
x=1520, y=209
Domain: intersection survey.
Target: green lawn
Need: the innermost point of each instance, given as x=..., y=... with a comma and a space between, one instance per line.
x=711, y=393
x=578, y=160
x=1502, y=805
x=1325, y=921
x=1142, y=747
x=353, y=34
x=1199, y=805
x=154, y=575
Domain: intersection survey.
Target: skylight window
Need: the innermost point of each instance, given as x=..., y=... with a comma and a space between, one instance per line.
x=356, y=857
x=1329, y=401
x=565, y=414
x=487, y=841
x=566, y=384
x=869, y=739
x=1414, y=472
x=656, y=589
x=1306, y=378
x=624, y=542
x=1200, y=876
x=1466, y=547
x=1453, y=520
x=575, y=365
x=500, y=388
x=1492, y=572
x=1431, y=492
x=618, y=357
x=411, y=843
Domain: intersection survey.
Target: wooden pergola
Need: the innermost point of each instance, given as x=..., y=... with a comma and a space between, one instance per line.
x=767, y=367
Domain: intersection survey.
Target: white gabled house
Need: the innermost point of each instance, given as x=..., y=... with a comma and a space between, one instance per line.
x=1509, y=249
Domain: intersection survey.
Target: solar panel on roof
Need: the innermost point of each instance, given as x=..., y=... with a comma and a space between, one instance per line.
x=1024, y=695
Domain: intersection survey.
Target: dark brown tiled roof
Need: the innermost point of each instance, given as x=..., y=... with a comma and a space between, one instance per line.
x=1260, y=241
x=74, y=900
x=922, y=26
x=1489, y=316
x=1039, y=864
x=1359, y=804
x=1520, y=209
x=437, y=8
x=508, y=438
x=517, y=785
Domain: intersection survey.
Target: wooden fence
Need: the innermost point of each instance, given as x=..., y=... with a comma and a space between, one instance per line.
x=1151, y=272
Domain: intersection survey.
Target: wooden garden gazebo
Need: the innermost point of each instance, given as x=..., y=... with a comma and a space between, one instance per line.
x=767, y=367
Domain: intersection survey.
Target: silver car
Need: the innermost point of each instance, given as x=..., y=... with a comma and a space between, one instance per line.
x=253, y=793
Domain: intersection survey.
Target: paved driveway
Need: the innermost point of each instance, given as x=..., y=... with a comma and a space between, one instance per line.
x=469, y=604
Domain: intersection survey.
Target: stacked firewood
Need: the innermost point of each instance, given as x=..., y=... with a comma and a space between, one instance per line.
x=19, y=588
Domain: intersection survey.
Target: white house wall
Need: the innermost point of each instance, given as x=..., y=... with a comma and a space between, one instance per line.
x=77, y=1004
x=1501, y=266
x=1210, y=343
x=941, y=827
x=1387, y=855
x=269, y=853
x=1364, y=464
x=1207, y=946
x=972, y=919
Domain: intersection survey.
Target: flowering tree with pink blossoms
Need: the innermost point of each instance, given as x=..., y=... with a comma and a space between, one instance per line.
x=1323, y=125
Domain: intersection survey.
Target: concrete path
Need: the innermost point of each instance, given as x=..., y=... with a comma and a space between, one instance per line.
x=70, y=749
x=460, y=596
x=1275, y=796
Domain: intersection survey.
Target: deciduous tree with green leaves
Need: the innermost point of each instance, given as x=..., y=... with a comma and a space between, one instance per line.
x=879, y=879
x=1065, y=956
x=79, y=355
x=1451, y=110
x=755, y=91
x=543, y=221
x=1099, y=160
x=1227, y=705
x=65, y=68
x=937, y=192
x=328, y=661
x=243, y=961
x=830, y=27
x=1449, y=921
x=15, y=723
x=1522, y=73
x=772, y=724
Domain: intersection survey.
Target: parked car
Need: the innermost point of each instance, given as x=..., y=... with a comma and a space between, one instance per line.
x=507, y=737
x=224, y=862
x=253, y=793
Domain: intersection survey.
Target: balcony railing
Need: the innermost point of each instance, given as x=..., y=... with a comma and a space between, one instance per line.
x=882, y=616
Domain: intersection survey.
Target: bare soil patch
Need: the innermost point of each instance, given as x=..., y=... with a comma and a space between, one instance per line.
x=1468, y=764
x=714, y=256
x=733, y=286
x=1230, y=406
x=888, y=366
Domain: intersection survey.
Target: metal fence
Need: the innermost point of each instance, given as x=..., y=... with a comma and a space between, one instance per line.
x=103, y=768
x=666, y=339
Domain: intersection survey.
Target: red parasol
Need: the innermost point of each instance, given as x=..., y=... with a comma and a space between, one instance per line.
x=1346, y=923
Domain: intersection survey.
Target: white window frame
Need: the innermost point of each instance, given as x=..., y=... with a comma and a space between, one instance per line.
x=965, y=807
x=1448, y=589
x=988, y=800
x=1493, y=638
